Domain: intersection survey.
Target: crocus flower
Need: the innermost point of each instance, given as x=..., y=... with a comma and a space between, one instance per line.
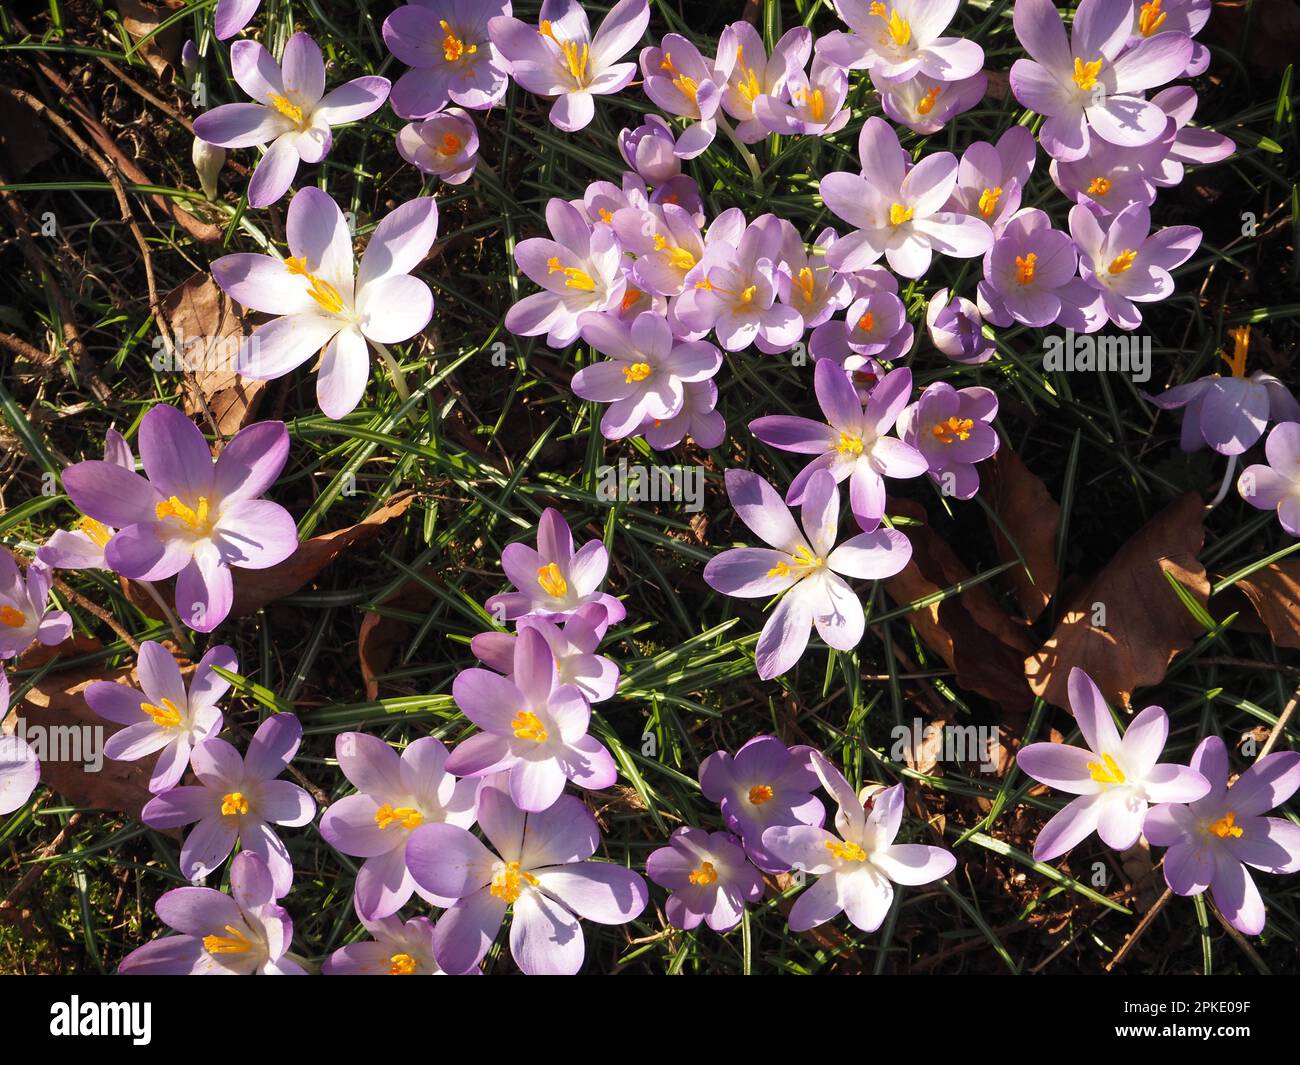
x=898, y=40
x=25, y=615
x=924, y=104
x=765, y=784
x=447, y=45
x=188, y=517
x=680, y=81
x=573, y=646
x=805, y=281
x=758, y=76
x=539, y=867
x=992, y=177
x=805, y=565
x=163, y=717
x=1127, y=263
x=1083, y=84
x=898, y=213
x=319, y=303
x=1212, y=840
x=291, y=111
x=1030, y=277
x=579, y=270
x=858, y=865
x=1192, y=146
x=875, y=327
x=245, y=933
x=698, y=419
x=666, y=242
x=534, y=728
x=232, y=16
x=1230, y=413
x=1108, y=178
x=957, y=329
x=20, y=770
x=650, y=150
x=559, y=57
x=709, y=877
x=851, y=443
x=82, y=547
x=1114, y=778
x=553, y=580
x=646, y=371
x=1276, y=486
x=394, y=797
x=398, y=949
x=815, y=106
x=952, y=428
x=238, y=800
x=444, y=145
x=1151, y=17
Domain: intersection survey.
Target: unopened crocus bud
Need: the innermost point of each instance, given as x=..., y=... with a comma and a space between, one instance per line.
x=208, y=161
x=957, y=328
x=189, y=61
x=648, y=150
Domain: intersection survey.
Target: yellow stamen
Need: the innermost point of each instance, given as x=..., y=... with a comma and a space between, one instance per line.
x=233, y=804
x=453, y=48
x=747, y=296
x=195, y=518
x=1227, y=826
x=1085, y=74
x=235, y=943
x=289, y=109
x=12, y=617
x=898, y=214
x=575, y=57
x=846, y=852
x=401, y=965
x=1025, y=268
x=1150, y=18
x=96, y=530
x=325, y=294
x=638, y=371
x=926, y=104
x=759, y=794
x=748, y=86
x=405, y=816
x=450, y=145
x=816, y=105
x=989, y=201
x=781, y=569
x=552, y=581
x=705, y=874
x=688, y=87
x=849, y=444
x=576, y=278
x=528, y=726
x=952, y=430
x=899, y=29
x=165, y=716
x=630, y=296
x=867, y=322
x=1099, y=186
x=1110, y=773
x=1123, y=261
x=1240, y=348
x=606, y=216
x=508, y=882
x=804, y=279
x=706, y=284
x=680, y=259
x=805, y=558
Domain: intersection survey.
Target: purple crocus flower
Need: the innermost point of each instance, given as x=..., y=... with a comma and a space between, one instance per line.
x=444, y=145
x=698, y=419
x=82, y=547
x=1108, y=178
x=20, y=769
x=559, y=57
x=666, y=242
x=190, y=518
x=758, y=76
x=1192, y=146
x=858, y=865
x=852, y=443
x=447, y=45
x=1114, y=778
x=291, y=112
x=804, y=564
x=816, y=102
x=245, y=933
x=319, y=302
x=897, y=212
x=924, y=104
x=952, y=428
x=1230, y=413
x=805, y=281
x=25, y=615
x=395, y=796
x=709, y=878
x=1213, y=840
x=901, y=39
x=992, y=177
x=1276, y=486
x=645, y=373
x=163, y=717
x=539, y=867
x=1030, y=276
x=554, y=581
x=534, y=728
x=680, y=81
x=1127, y=263
x=397, y=949
x=1151, y=17
x=238, y=800
x=874, y=328
x=232, y=16
x=1083, y=84
x=650, y=150
x=765, y=784
x=957, y=329
x=573, y=646
x=579, y=270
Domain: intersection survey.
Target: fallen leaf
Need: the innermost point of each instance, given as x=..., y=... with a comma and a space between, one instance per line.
x=1032, y=518
x=380, y=636
x=162, y=51
x=1142, y=624
x=1274, y=592
x=24, y=144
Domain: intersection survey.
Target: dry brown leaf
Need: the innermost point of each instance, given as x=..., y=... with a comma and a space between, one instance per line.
x=1146, y=624
x=207, y=330
x=971, y=632
x=1033, y=518
x=1274, y=592
x=380, y=637
x=163, y=50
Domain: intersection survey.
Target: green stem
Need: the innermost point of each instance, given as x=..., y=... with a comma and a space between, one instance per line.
x=394, y=371
x=755, y=171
